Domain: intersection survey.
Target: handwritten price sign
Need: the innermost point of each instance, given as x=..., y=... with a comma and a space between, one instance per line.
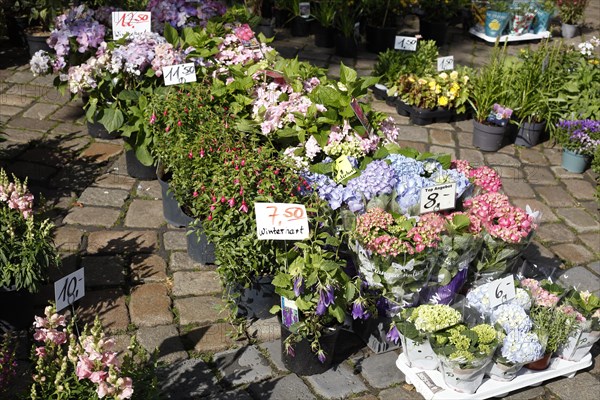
x=407, y=43
x=281, y=221
x=445, y=63
x=179, y=73
x=436, y=198
x=501, y=291
x=69, y=289
x=131, y=22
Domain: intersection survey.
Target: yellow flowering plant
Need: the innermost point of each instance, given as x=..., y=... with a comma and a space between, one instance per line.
x=465, y=347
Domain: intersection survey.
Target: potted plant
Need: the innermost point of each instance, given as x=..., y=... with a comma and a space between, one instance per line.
x=571, y=15
x=586, y=307
x=579, y=140
x=543, y=13
x=497, y=17
x=300, y=16
x=414, y=326
x=41, y=18
x=488, y=94
x=324, y=13
x=464, y=354
x=382, y=22
x=435, y=16
x=85, y=365
x=313, y=277
x=27, y=250
x=345, y=23
x=521, y=18
x=8, y=362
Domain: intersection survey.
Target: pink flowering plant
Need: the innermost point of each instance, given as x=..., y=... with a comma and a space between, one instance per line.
x=485, y=179
x=27, y=250
x=72, y=366
x=587, y=305
x=8, y=362
x=183, y=13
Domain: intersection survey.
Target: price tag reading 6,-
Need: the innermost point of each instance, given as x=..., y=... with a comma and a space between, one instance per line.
x=69, y=289
x=281, y=221
x=501, y=291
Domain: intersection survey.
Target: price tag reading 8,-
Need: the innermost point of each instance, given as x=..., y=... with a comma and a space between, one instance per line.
x=69, y=289
x=501, y=290
x=439, y=197
x=281, y=221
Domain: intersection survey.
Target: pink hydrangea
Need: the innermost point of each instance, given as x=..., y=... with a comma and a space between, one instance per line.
x=244, y=32
x=486, y=178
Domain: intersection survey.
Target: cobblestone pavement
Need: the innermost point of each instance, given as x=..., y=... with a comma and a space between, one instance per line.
x=141, y=281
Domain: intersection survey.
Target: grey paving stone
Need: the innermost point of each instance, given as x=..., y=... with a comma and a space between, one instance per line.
x=595, y=267
x=413, y=134
x=67, y=238
x=40, y=110
x=580, y=189
x=103, y=271
x=31, y=124
x=150, y=305
x=475, y=157
x=509, y=173
x=68, y=113
x=555, y=233
x=99, y=152
x=517, y=188
x=526, y=394
x=238, y=394
x=20, y=135
x=584, y=384
x=9, y=111
x=243, y=366
x=465, y=140
x=108, y=305
x=122, y=242
x=115, y=181
x=165, y=339
x=532, y=156
x=148, y=268
x=592, y=240
x=380, y=370
x=539, y=175
x=441, y=137
x=92, y=216
x=579, y=219
x=196, y=283
x=573, y=253
x=20, y=77
x=336, y=383
x=273, y=349
x=264, y=330
x=286, y=388
x=181, y=261
x=94, y=196
x=13, y=100
x=144, y=214
x=555, y=196
x=187, y=379
x=212, y=338
x=563, y=174
x=149, y=189
x=399, y=393
x=175, y=240
x=200, y=310
x=495, y=159
x=581, y=278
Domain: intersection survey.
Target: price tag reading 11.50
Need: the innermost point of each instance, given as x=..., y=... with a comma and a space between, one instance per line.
x=501, y=290
x=281, y=221
x=439, y=197
x=69, y=289
x=179, y=73
x=407, y=43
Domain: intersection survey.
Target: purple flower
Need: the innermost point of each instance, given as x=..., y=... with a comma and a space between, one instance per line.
x=583, y=135
x=321, y=356
x=289, y=349
x=393, y=334
x=358, y=311
x=326, y=297
x=298, y=286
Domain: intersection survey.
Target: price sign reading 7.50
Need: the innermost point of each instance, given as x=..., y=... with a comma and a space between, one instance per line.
x=281, y=221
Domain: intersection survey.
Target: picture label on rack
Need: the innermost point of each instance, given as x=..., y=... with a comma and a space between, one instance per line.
x=430, y=384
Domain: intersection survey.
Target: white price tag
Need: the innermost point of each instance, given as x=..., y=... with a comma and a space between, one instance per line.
x=407, y=43
x=304, y=8
x=501, y=290
x=281, y=221
x=439, y=197
x=131, y=22
x=69, y=289
x=445, y=63
x=179, y=73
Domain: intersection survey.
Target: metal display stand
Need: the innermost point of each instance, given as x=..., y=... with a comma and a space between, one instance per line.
x=430, y=383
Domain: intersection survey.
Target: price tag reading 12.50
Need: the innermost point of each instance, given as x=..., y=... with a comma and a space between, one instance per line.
x=501, y=290
x=179, y=73
x=281, y=221
x=436, y=198
x=407, y=43
x=131, y=22
x=69, y=289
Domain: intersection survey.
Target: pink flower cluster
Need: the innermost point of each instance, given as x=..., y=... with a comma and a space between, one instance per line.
x=15, y=195
x=540, y=296
x=49, y=329
x=500, y=219
x=244, y=32
x=484, y=177
x=570, y=310
x=426, y=232
x=233, y=50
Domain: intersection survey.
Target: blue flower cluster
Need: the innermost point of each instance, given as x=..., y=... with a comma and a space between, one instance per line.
x=478, y=299
x=522, y=347
x=378, y=178
x=511, y=317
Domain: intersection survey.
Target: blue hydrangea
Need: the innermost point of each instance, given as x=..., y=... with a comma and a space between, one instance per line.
x=408, y=190
x=511, y=317
x=377, y=179
x=327, y=189
x=405, y=166
x=522, y=347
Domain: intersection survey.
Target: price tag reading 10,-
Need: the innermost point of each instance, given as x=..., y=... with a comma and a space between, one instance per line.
x=281, y=221
x=501, y=291
x=69, y=289
x=439, y=197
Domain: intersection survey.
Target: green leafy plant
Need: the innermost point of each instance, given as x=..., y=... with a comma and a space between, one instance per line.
x=571, y=11
x=27, y=250
x=347, y=17
x=439, y=11
x=463, y=347
x=392, y=64
x=554, y=323
x=383, y=13
x=324, y=11
x=419, y=322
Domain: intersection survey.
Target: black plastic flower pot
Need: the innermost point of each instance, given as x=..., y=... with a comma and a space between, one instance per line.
x=98, y=131
x=380, y=38
x=137, y=170
x=37, y=42
x=199, y=248
x=300, y=27
x=373, y=332
x=488, y=137
x=436, y=31
x=380, y=92
x=171, y=209
x=17, y=309
x=256, y=300
x=304, y=361
x=324, y=36
x=345, y=46
x=529, y=134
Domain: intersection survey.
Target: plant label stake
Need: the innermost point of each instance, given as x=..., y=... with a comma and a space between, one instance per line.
x=437, y=198
x=406, y=43
x=289, y=312
x=343, y=168
x=281, y=221
x=445, y=63
x=358, y=111
x=179, y=73
x=501, y=291
x=69, y=289
x=130, y=22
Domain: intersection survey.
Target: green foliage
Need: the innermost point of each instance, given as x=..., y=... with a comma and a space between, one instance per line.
x=392, y=64
x=554, y=323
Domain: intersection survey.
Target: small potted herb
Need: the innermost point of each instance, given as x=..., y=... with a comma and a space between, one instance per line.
x=579, y=140
x=324, y=13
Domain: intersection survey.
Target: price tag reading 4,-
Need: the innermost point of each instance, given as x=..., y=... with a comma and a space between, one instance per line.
x=69, y=289
x=281, y=221
x=501, y=291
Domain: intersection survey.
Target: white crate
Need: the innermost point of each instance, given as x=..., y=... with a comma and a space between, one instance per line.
x=509, y=38
x=431, y=384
